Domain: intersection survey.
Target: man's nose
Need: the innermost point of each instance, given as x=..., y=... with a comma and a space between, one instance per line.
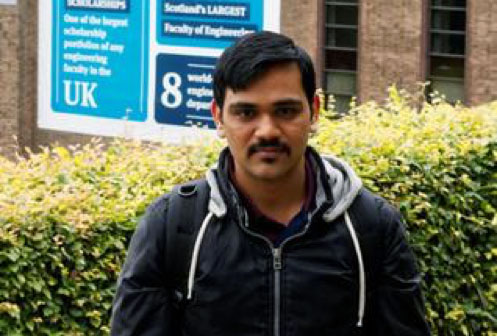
x=267, y=128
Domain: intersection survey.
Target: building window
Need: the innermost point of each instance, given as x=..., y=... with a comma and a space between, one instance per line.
x=447, y=48
x=340, y=59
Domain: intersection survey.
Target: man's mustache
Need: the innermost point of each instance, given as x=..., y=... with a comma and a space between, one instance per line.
x=272, y=144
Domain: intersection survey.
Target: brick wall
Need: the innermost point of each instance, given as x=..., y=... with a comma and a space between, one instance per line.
x=28, y=57
x=9, y=78
x=481, y=55
x=390, y=46
x=300, y=19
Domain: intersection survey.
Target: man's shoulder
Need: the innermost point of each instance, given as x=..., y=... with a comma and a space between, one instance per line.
x=374, y=213
x=184, y=190
x=368, y=198
x=181, y=202
x=159, y=204
x=175, y=210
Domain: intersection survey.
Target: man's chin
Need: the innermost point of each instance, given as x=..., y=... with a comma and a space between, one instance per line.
x=268, y=171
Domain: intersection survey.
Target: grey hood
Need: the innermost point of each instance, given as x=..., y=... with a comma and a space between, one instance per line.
x=344, y=185
x=339, y=180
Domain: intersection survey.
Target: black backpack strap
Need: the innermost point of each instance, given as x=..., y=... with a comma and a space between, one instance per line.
x=186, y=210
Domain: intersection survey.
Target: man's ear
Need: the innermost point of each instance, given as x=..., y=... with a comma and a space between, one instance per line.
x=217, y=116
x=315, y=113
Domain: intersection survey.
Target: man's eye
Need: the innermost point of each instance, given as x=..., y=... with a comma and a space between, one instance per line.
x=286, y=111
x=244, y=113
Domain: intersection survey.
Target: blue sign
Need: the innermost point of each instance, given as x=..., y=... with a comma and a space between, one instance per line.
x=184, y=90
x=208, y=24
x=100, y=58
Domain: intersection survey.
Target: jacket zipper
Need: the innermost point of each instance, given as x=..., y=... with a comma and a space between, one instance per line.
x=277, y=265
x=277, y=289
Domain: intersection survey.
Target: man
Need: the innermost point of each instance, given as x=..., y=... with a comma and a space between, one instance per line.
x=291, y=244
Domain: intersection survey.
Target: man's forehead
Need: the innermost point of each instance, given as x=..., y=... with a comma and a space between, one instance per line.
x=265, y=72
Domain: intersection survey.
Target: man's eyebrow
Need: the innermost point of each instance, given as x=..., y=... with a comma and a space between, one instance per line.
x=289, y=101
x=242, y=105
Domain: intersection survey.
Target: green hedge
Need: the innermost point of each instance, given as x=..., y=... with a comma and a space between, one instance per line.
x=66, y=214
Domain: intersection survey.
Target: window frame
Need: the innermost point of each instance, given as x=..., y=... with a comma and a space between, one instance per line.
x=326, y=71
x=430, y=53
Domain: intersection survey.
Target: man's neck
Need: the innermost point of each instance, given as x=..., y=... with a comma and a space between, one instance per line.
x=280, y=199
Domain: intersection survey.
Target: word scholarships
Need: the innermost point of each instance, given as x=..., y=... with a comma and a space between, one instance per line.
x=121, y=5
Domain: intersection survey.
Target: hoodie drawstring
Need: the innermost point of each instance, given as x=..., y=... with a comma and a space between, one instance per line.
x=362, y=278
x=196, y=248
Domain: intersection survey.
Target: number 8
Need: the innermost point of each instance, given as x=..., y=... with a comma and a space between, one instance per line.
x=171, y=83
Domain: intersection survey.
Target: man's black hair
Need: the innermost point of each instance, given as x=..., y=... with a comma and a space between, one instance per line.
x=252, y=56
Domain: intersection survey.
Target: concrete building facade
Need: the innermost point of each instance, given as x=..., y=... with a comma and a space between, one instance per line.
x=395, y=44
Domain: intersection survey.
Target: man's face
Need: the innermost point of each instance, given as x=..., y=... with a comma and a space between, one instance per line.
x=267, y=125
